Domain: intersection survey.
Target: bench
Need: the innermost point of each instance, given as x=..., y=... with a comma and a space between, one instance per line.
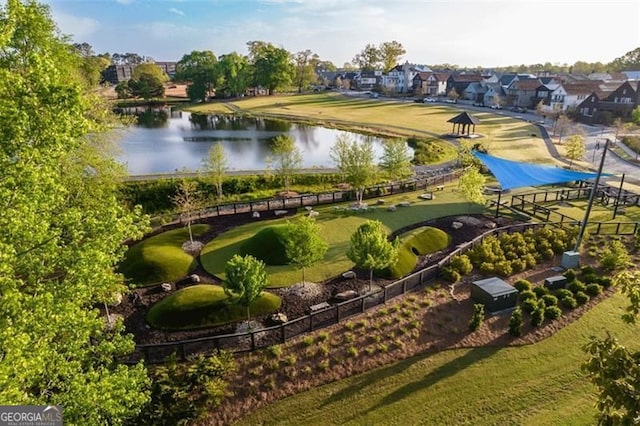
x=280, y=212
x=319, y=307
x=440, y=188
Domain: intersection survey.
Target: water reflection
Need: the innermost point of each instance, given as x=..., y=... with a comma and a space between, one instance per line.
x=163, y=142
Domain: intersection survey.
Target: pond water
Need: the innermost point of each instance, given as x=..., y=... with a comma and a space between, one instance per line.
x=164, y=141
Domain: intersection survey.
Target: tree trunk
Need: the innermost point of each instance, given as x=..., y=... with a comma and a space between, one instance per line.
x=303, y=280
x=248, y=318
x=190, y=233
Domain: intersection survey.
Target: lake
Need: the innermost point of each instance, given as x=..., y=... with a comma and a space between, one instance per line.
x=165, y=141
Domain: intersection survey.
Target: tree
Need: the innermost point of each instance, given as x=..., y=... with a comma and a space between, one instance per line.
x=614, y=256
x=453, y=94
x=370, y=249
x=575, y=148
x=325, y=66
x=396, y=160
x=627, y=62
x=246, y=279
x=91, y=66
x=477, y=319
x=272, y=66
x=472, y=184
x=187, y=201
x=217, y=165
x=147, y=81
x=368, y=59
x=305, y=64
x=355, y=162
x=286, y=158
x=235, y=74
x=62, y=232
x=390, y=53
x=515, y=322
x=561, y=125
x=613, y=368
x=304, y=245
x=635, y=116
x=201, y=70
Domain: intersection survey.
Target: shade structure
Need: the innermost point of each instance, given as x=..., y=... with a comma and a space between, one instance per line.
x=464, y=121
x=515, y=174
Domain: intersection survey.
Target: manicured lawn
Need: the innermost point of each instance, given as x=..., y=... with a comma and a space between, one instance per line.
x=204, y=306
x=336, y=226
x=505, y=136
x=160, y=258
x=539, y=384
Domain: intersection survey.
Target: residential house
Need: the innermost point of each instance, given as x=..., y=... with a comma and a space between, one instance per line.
x=475, y=92
x=608, y=76
x=567, y=96
x=400, y=78
x=461, y=81
x=430, y=83
x=115, y=74
x=367, y=80
x=632, y=75
x=522, y=93
x=609, y=102
x=494, y=94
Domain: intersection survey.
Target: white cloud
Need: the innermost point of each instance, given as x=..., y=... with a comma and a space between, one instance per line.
x=78, y=26
x=176, y=11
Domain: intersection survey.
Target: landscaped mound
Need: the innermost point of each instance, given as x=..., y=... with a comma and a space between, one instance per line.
x=160, y=258
x=418, y=242
x=205, y=305
x=268, y=245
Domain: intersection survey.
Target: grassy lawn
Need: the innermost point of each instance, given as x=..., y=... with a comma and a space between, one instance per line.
x=537, y=384
x=204, y=306
x=336, y=228
x=505, y=136
x=160, y=258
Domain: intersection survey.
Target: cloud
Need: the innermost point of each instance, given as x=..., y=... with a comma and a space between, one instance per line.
x=78, y=26
x=176, y=11
x=125, y=2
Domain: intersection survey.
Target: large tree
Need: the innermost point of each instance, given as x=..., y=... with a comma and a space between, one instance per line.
x=200, y=69
x=627, y=62
x=575, y=148
x=285, y=158
x=390, y=54
x=396, y=160
x=147, y=81
x=355, y=162
x=368, y=59
x=246, y=279
x=62, y=233
x=371, y=249
x=304, y=245
x=235, y=74
x=471, y=185
x=187, y=201
x=216, y=165
x=272, y=66
x=305, y=63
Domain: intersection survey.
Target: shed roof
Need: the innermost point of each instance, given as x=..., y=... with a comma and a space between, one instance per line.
x=463, y=118
x=495, y=286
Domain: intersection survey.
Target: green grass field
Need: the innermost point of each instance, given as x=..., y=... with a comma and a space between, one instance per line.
x=160, y=258
x=336, y=227
x=201, y=306
x=505, y=136
x=539, y=384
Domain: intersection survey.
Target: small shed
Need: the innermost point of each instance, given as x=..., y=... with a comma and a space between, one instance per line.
x=495, y=294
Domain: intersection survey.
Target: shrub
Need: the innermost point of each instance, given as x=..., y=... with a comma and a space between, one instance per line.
x=587, y=270
x=582, y=298
x=540, y=291
x=614, y=256
x=569, y=302
x=323, y=336
x=275, y=351
x=515, y=323
x=449, y=274
x=528, y=294
x=563, y=292
x=529, y=305
x=552, y=312
x=605, y=282
x=537, y=317
x=570, y=275
x=577, y=286
x=594, y=289
x=522, y=285
x=462, y=264
x=352, y=352
x=589, y=278
x=307, y=340
x=550, y=300
x=503, y=268
x=478, y=317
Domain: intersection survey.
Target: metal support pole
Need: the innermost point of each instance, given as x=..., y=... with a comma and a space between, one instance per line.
x=615, y=206
x=592, y=196
x=498, y=203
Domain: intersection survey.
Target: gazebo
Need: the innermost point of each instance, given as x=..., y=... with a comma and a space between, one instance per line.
x=464, y=122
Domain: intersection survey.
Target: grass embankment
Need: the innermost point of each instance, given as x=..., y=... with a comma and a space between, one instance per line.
x=505, y=136
x=538, y=384
x=160, y=258
x=418, y=242
x=205, y=306
x=336, y=227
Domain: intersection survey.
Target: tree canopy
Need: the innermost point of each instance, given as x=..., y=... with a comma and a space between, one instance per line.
x=147, y=81
x=396, y=160
x=246, y=278
x=304, y=245
x=272, y=66
x=355, y=162
x=370, y=249
x=285, y=158
x=200, y=69
x=62, y=233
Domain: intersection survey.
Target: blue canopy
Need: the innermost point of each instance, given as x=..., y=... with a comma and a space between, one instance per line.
x=514, y=174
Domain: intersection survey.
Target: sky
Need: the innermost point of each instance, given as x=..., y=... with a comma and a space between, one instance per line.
x=468, y=33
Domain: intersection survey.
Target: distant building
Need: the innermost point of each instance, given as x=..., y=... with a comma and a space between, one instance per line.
x=115, y=74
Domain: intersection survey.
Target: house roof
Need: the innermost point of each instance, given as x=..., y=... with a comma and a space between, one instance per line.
x=441, y=76
x=464, y=118
x=466, y=78
x=581, y=87
x=632, y=75
x=506, y=79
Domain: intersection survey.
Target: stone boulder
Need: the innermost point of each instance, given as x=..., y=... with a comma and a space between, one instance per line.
x=195, y=278
x=349, y=275
x=117, y=300
x=456, y=225
x=277, y=319
x=166, y=287
x=345, y=295
x=490, y=225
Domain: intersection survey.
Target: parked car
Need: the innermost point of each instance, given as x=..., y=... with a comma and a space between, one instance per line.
x=429, y=100
x=419, y=101
x=496, y=106
x=518, y=109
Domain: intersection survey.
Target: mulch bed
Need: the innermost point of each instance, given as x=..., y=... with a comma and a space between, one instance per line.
x=134, y=308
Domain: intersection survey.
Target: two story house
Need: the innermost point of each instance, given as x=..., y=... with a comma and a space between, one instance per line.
x=609, y=102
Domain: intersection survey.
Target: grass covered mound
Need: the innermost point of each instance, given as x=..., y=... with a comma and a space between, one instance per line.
x=268, y=245
x=205, y=305
x=160, y=258
x=418, y=242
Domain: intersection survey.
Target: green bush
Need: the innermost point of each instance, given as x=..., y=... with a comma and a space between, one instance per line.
x=549, y=300
x=552, y=312
x=570, y=275
x=515, y=323
x=478, y=317
x=540, y=291
x=449, y=274
x=529, y=305
x=522, y=285
x=614, y=256
x=594, y=289
x=589, y=278
x=562, y=293
x=605, y=282
x=528, y=294
x=537, y=317
x=587, y=270
x=577, y=286
x=569, y=302
x=582, y=298
x=462, y=264
x=268, y=245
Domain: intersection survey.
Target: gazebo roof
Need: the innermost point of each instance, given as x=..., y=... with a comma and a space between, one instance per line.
x=463, y=118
